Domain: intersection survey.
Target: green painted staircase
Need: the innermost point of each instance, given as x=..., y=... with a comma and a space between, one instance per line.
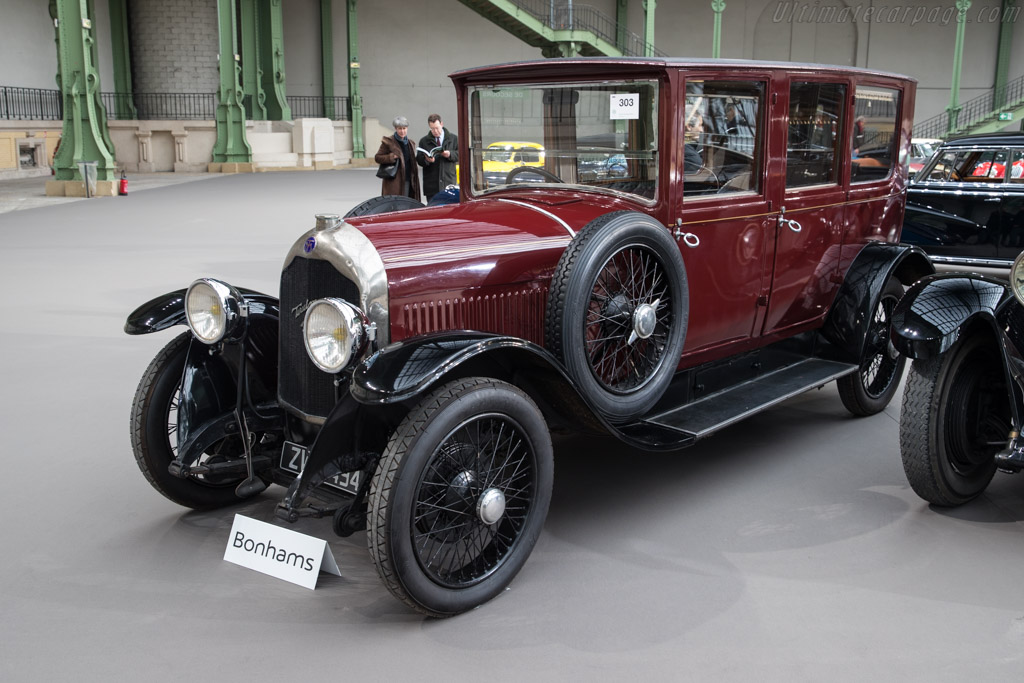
x=565, y=30
x=978, y=115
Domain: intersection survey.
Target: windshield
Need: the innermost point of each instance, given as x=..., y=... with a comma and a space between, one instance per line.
x=601, y=135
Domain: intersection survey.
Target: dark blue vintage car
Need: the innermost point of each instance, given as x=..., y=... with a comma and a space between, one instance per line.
x=966, y=207
x=963, y=404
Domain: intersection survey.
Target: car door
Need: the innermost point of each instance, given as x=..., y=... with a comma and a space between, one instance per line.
x=954, y=214
x=808, y=228
x=723, y=221
x=1012, y=208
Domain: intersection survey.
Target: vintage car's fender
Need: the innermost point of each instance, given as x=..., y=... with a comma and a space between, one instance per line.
x=402, y=372
x=210, y=380
x=168, y=310
x=408, y=369
x=852, y=310
x=933, y=313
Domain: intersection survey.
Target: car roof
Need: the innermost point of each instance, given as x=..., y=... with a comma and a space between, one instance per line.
x=1012, y=139
x=596, y=66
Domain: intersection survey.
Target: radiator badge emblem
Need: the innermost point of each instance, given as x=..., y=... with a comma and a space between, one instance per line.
x=310, y=244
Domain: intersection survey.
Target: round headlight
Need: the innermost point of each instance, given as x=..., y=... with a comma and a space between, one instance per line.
x=212, y=308
x=1017, y=278
x=335, y=333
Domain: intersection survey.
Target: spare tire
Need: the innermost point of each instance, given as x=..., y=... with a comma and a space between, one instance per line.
x=383, y=204
x=617, y=312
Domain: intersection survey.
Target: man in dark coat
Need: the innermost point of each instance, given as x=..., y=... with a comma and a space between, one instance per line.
x=439, y=169
x=398, y=147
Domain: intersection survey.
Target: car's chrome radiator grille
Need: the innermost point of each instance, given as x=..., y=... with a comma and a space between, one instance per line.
x=518, y=312
x=301, y=384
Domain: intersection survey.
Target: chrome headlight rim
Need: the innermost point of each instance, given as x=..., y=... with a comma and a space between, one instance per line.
x=213, y=324
x=1017, y=277
x=335, y=351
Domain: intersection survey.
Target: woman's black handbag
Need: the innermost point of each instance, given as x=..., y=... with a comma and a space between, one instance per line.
x=388, y=170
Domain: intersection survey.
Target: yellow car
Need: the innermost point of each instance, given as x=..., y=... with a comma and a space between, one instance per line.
x=502, y=157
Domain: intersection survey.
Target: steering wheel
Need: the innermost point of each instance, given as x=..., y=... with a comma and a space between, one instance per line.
x=532, y=169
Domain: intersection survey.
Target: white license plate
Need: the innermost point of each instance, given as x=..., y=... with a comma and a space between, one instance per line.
x=293, y=459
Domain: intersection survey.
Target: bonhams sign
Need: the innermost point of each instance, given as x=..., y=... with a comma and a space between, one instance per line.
x=279, y=552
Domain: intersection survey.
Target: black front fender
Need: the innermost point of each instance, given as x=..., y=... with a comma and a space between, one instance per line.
x=408, y=369
x=931, y=315
x=168, y=310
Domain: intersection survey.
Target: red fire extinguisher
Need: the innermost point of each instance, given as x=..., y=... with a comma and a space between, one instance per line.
x=122, y=185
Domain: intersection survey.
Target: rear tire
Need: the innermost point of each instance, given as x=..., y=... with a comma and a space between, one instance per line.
x=869, y=390
x=955, y=418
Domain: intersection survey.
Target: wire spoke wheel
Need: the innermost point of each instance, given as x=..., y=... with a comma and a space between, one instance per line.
x=488, y=455
x=630, y=285
x=155, y=436
x=870, y=389
x=617, y=312
x=880, y=368
x=460, y=496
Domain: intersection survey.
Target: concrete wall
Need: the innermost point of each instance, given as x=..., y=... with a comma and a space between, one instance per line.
x=174, y=46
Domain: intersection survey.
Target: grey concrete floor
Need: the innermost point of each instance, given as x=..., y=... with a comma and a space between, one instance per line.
x=788, y=548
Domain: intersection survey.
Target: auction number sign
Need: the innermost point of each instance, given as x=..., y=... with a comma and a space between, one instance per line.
x=625, y=106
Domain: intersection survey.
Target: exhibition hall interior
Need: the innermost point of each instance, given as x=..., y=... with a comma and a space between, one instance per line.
x=512, y=338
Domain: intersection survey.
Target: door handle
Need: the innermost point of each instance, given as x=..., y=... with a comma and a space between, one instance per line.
x=689, y=239
x=794, y=225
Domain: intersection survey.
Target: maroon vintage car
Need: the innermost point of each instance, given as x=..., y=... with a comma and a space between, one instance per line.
x=701, y=241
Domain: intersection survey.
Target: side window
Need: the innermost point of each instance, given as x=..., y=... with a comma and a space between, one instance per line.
x=873, y=144
x=1017, y=166
x=815, y=124
x=722, y=140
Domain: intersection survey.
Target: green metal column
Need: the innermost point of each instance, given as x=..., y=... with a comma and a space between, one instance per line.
x=124, y=107
x=621, y=24
x=356, y=102
x=953, y=110
x=231, y=145
x=272, y=60
x=84, y=136
x=649, y=27
x=252, y=85
x=717, y=6
x=1009, y=9
x=327, y=58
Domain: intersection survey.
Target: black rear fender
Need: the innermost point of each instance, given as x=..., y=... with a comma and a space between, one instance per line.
x=852, y=310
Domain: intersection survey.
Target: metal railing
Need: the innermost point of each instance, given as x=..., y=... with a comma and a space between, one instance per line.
x=973, y=111
x=175, y=106
x=570, y=16
x=47, y=105
x=30, y=103
x=306, y=106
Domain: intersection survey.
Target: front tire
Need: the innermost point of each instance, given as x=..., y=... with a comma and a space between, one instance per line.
x=460, y=496
x=154, y=427
x=955, y=418
x=869, y=390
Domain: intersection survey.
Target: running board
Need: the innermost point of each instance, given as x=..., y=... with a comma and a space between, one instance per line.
x=708, y=415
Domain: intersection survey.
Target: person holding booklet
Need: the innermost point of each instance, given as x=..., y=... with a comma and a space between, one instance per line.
x=398, y=148
x=438, y=154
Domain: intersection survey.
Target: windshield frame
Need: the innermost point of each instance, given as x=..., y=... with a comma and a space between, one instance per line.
x=604, y=168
